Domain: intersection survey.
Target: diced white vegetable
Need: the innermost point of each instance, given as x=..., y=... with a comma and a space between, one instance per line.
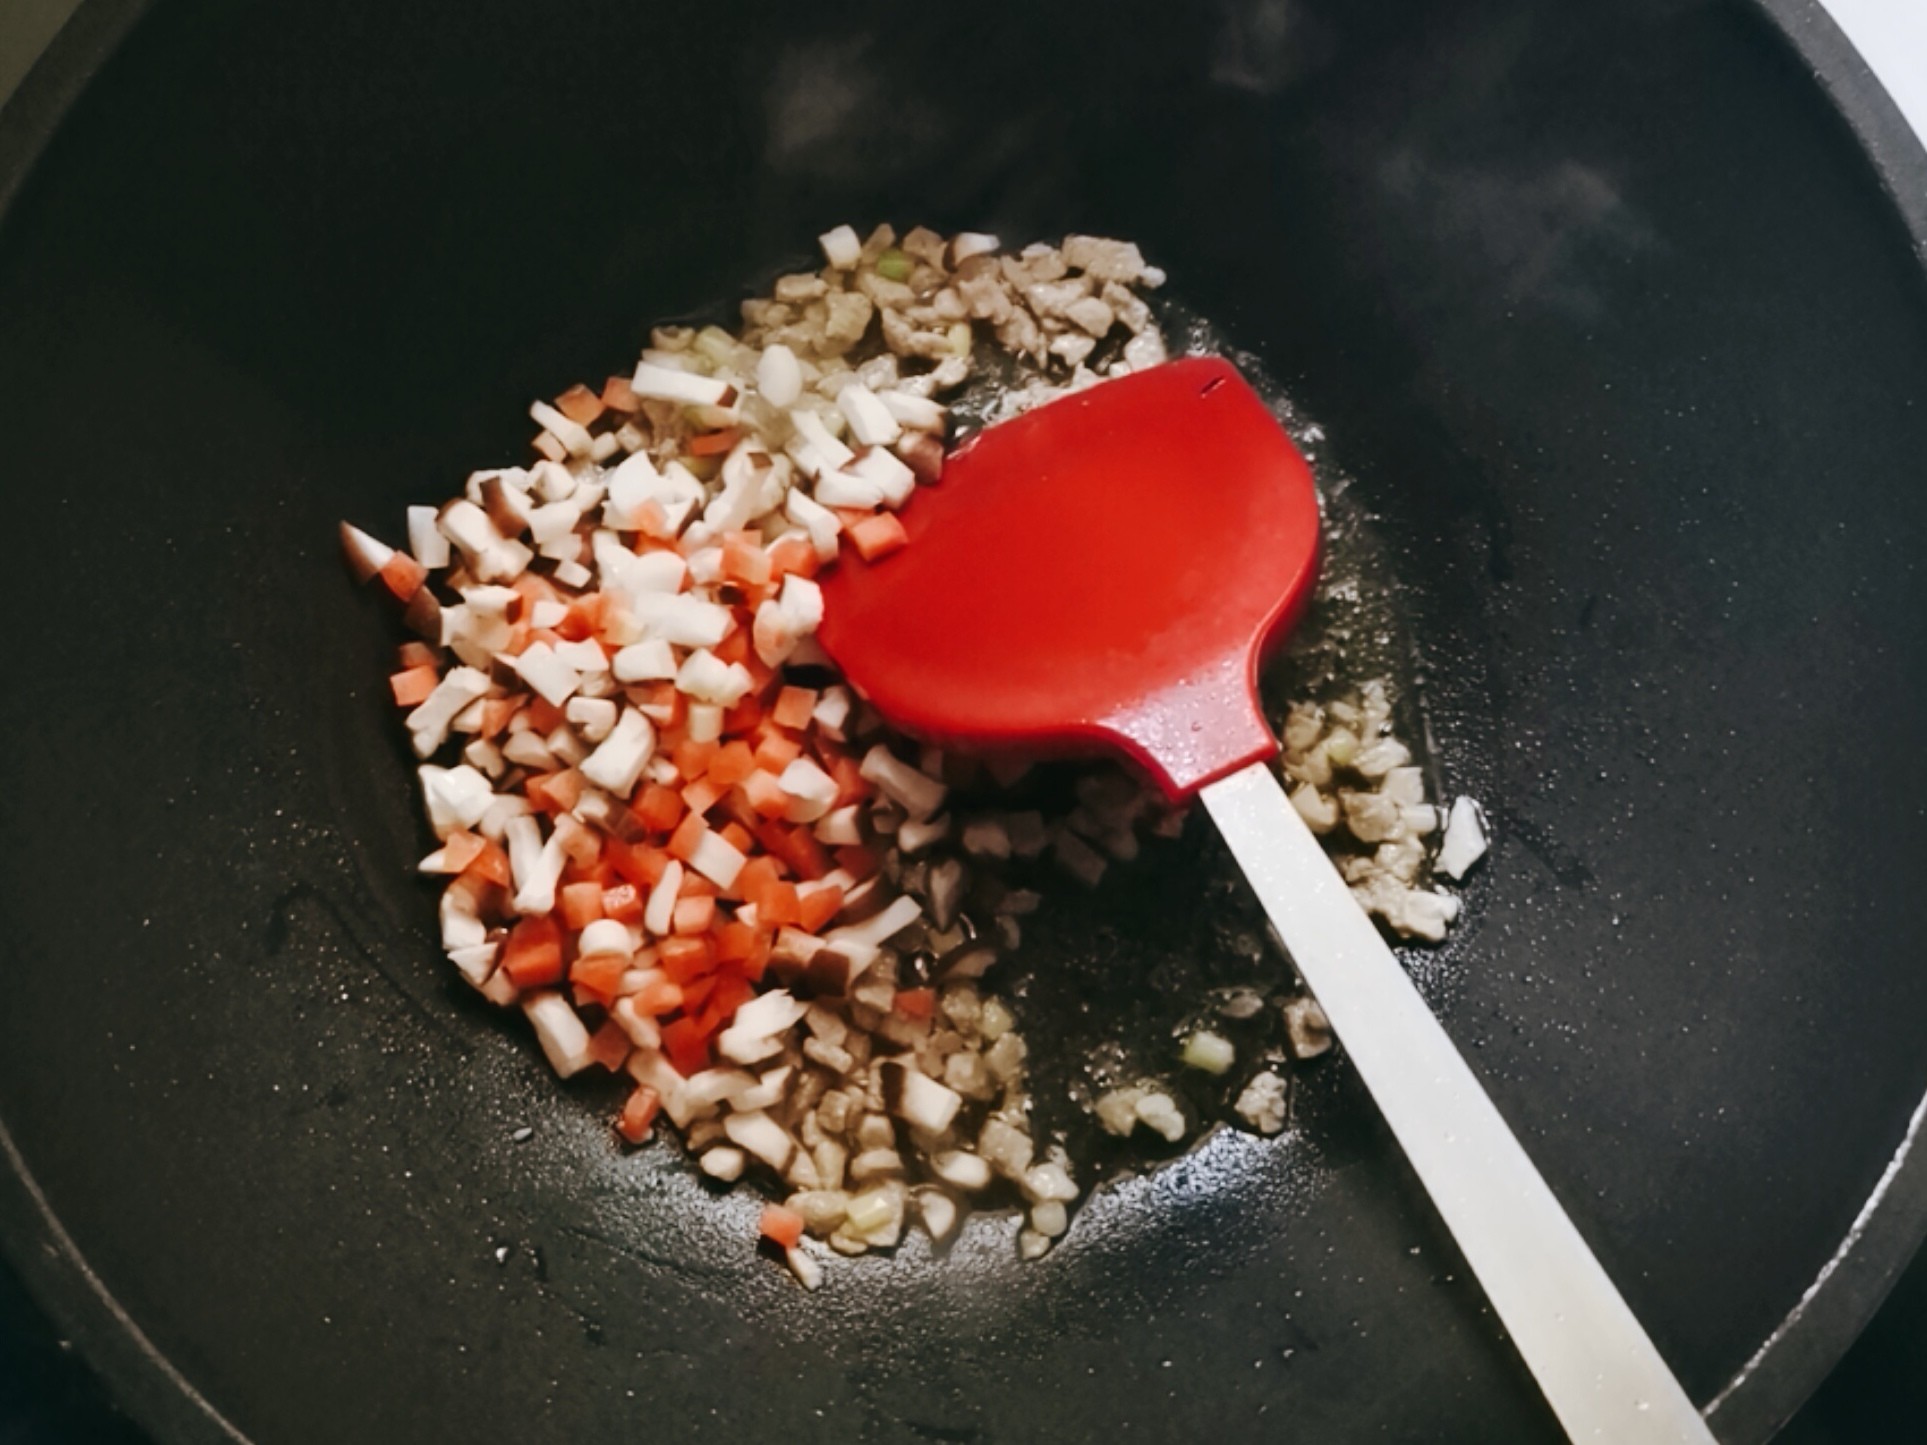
x=706, y=676
x=703, y=722
x=762, y=1137
x=1465, y=838
x=766, y=1093
x=591, y=717
x=961, y=1169
x=888, y=472
x=847, y=490
x=917, y=413
x=917, y=1098
x=366, y=555
x=916, y=834
x=604, y=935
x=841, y=827
x=812, y=790
x=461, y=926
x=816, y=519
x=659, y=914
x=880, y=927
x=573, y=574
x=841, y=248
x=585, y=655
x=918, y=795
x=1159, y=1113
x=650, y=660
x=617, y=762
x=1209, y=1052
x=822, y=451
x=476, y=962
x=573, y=435
x=559, y=1031
x=428, y=722
x=454, y=797
x=425, y=538
x=1262, y=1103
x=725, y=1162
x=832, y=712
x=871, y=423
x=808, y=1272
x=526, y=749
x=717, y=859
x=547, y=674
x=662, y=383
x=683, y=619
x=778, y=376
x=966, y=244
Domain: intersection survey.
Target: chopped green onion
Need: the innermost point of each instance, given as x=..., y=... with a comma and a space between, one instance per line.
x=893, y=265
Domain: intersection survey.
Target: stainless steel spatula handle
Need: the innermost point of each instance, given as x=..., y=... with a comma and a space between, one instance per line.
x=1583, y=1345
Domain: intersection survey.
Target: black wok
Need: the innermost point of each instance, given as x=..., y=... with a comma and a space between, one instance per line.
x=1614, y=317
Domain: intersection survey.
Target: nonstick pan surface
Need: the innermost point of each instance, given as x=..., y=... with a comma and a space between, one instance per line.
x=1607, y=309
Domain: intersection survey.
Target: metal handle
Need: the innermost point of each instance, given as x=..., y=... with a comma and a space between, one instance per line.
x=1595, y=1364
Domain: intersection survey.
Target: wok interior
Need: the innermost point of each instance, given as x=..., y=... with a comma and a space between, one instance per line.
x=1602, y=313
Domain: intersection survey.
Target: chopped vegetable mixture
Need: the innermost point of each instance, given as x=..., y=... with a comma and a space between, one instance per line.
x=689, y=855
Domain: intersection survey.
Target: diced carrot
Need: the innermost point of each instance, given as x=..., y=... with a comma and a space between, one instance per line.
x=579, y=404
x=731, y=993
x=819, y=906
x=793, y=707
x=581, y=904
x=656, y=997
x=619, y=395
x=638, y=1114
x=797, y=847
x=794, y=554
x=695, y=997
x=461, y=848
x=701, y=796
x=600, y=971
x=916, y=1003
x=694, y=885
x=733, y=762
x=544, y=716
x=659, y=808
x=491, y=865
x=584, y=618
x=536, y=788
x=851, y=785
x=781, y=1227
x=496, y=712
x=651, y=520
x=737, y=836
x=754, y=966
x=687, y=1044
x=413, y=685
x=663, y=706
x=403, y=575
x=778, y=906
x=741, y=720
x=690, y=832
x=757, y=874
x=532, y=956
x=735, y=941
x=415, y=654
x=734, y=648
x=693, y=914
x=878, y=536
x=584, y=997
x=533, y=587
x=684, y=959
x=623, y=903
x=850, y=516
x=858, y=862
x=765, y=795
x=609, y=1046
x=712, y=443
x=777, y=751
x=745, y=561
x=692, y=759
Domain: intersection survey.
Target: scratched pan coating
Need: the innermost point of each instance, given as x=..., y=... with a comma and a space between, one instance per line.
x=1606, y=312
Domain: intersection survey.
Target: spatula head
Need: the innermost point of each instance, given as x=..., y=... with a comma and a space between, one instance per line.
x=1102, y=573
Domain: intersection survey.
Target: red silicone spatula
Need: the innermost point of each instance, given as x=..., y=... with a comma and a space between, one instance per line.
x=1105, y=573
